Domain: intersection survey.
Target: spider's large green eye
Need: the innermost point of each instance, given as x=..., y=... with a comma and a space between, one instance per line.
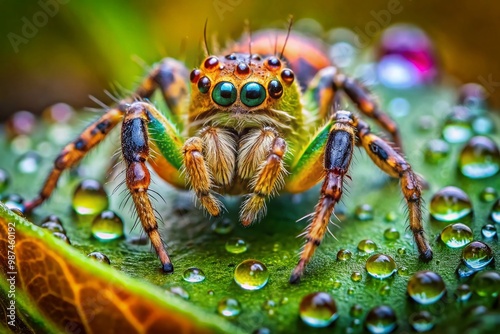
x=224, y=93
x=253, y=94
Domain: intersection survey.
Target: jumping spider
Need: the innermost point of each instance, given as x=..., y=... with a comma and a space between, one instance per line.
x=244, y=125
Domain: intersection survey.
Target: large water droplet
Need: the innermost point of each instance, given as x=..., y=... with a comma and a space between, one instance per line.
x=380, y=320
x=391, y=234
x=380, y=266
x=457, y=127
x=426, y=287
x=456, y=235
x=251, y=275
x=193, y=275
x=229, y=307
x=364, y=212
x=367, y=246
x=236, y=246
x=480, y=158
x=90, y=198
x=489, y=231
x=449, y=204
x=495, y=212
x=477, y=255
x=487, y=283
x=421, y=321
x=318, y=309
x=107, y=226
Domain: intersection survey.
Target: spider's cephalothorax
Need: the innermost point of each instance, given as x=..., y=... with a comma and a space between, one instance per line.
x=242, y=123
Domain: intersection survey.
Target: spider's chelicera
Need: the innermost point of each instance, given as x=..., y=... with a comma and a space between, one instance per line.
x=250, y=124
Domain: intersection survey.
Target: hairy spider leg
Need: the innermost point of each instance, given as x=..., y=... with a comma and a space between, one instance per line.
x=337, y=158
x=393, y=163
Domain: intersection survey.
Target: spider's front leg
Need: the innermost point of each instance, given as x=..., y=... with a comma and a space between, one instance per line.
x=337, y=158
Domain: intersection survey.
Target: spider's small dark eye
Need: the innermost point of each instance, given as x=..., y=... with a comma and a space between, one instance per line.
x=273, y=63
x=211, y=63
x=287, y=76
x=275, y=89
x=256, y=57
x=204, y=85
x=195, y=75
x=232, y=56
x=224, y=93
x=242, y=69
x=253, y=94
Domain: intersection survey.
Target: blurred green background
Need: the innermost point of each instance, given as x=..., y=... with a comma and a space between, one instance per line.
x=85, y=47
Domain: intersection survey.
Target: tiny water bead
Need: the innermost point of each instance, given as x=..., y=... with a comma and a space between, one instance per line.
x=436, y=150
x=337, y=284
x=178, y=291
x=487, y=283
x=107, y=226
x=251, y=275
x=458, y=125
x=380, y=266
x=99, y=257
x=489, y=231
x=53, y=226
x=350, y=291
x=193, y=275
x=391, y=216
x=480, y=158
x=364, y=212
x=449, y=204
x=14, y=202
x=488, y=194
x=426, y=287
x=28, y=163
x=61, y=236
x=356, y=276
x=318, y=309
x=483, y=125
x=456, y=235
x=344, y=255
x=229, y=307
x=222, y=226
x=477, y=255
x=380, y=320
x=4, y=180
x=403, y=271
x=356, y=311
x=90, y=198
x=236, y=246
x=391, y=234
x=463, y=293
x=421, y=321
x=495, y=212
x=384, y=290
x=367, y=246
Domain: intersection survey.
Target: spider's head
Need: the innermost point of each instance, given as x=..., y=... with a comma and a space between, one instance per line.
x=240, y=83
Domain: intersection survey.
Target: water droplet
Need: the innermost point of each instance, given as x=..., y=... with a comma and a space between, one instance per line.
x=28, y=163
x=480, y=158
x=477, y=255
x=53, y=226
x=364, y=212
x=426, y=123
x=463, y=293
x=381, y=319
x=222, y=226
x=356, y=311
x=399, y=107
x=403, y=271
x=344, y=255
x=251, y=275
x=61, y=236
x=99, y=257
x=380, y=266
x=90, y=198
x=464, y=271
x=356, y=276
x=421, y=321
x=457, y=127
x=350, y=291
x=367, y=246
x=391, y=217
x=179, y=292
x=449, y=204
x=236, y=246
x=426, y=287
x=483, y=125
x=336, y=284
x=20, y=123
x=436, y=150
x=489, y=231
x=107, y=226
x=193, y=275
x=487, y=283
x=488, y=194
x=456, y=235
x=391, y=234
x=229, y=307
x=473, y=96
x=4, y=180
x=384, y=290
x=401, y=251
x=58, y=113
x=269, y=304
x=495, y=212
x=284, y=301
x=14, y=202
x=318, y=309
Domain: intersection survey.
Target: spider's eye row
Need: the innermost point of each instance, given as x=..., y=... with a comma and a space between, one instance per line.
x=242, y=69
x=253, y=94
x=231, y=56
x=287, y=76
x=224, y=93
x=211, y=63
x=204, y=85
x=195, y=75
x=275, y=89
x=273, y=63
